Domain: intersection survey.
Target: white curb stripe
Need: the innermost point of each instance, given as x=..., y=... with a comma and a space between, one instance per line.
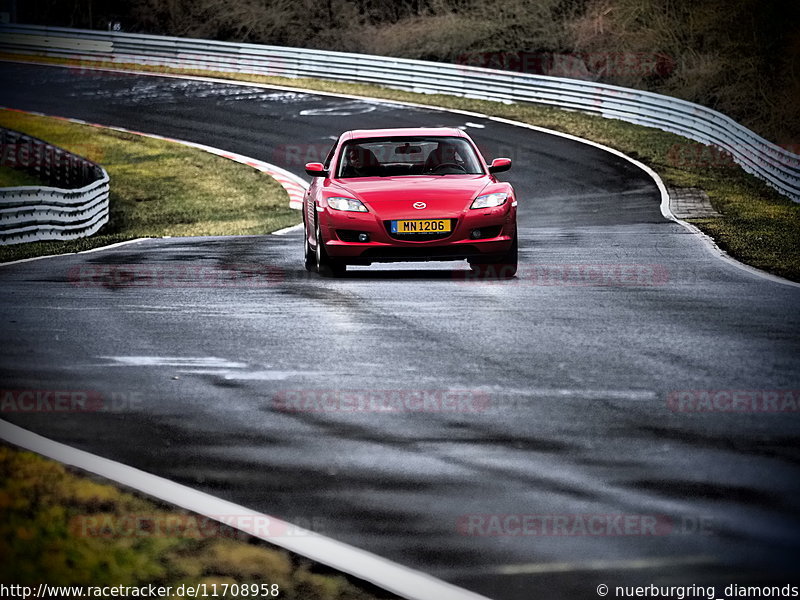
x=288, y=230
x=403, y=581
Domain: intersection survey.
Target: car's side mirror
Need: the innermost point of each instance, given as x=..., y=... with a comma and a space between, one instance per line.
x=499, y=165
x=316, y=170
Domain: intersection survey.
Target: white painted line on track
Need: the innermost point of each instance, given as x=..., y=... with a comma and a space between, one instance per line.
x=176, y=361
x=109, y=247
x=602, y=565
x=403, y=581
x=587, y=393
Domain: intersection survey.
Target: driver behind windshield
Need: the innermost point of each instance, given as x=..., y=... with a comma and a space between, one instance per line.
x=359, y=162
x=446, y=153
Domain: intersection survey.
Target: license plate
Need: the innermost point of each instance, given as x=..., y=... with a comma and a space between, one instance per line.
x=422, y=226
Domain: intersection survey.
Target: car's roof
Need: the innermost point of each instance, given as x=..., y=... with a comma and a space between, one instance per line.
x=402, y=132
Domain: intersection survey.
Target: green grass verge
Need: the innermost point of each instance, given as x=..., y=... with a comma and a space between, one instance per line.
x=43, y=538
x=159, y=188
x=12, y=178
x=758, y=225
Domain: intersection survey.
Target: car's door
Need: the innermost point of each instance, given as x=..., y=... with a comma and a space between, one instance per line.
x=312, y=197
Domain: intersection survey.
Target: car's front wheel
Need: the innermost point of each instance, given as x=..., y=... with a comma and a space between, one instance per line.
x=310, y=258
x=326, y=266
x=503, y=268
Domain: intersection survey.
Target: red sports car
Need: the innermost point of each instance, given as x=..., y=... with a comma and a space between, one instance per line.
x=387, y=195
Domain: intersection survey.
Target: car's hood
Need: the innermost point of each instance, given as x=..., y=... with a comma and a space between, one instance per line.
x=394, y=197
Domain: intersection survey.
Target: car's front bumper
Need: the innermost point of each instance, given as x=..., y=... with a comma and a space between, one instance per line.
x=383, y=247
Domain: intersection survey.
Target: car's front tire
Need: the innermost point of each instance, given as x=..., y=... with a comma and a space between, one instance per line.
x=325, y=265
x=503, y=268
x=310, y=259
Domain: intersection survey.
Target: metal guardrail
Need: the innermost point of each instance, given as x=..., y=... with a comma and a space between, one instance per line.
x=74, y=205
x=779, y=167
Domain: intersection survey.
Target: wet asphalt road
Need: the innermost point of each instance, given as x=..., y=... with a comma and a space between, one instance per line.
x=571, y=371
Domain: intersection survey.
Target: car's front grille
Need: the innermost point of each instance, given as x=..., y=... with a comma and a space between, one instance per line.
x=420, y=237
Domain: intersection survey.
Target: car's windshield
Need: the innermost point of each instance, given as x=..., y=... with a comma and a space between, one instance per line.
x=392, y=157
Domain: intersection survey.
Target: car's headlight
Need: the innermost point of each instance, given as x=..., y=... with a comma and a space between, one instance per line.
x=349, y=204
x=490, y=200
